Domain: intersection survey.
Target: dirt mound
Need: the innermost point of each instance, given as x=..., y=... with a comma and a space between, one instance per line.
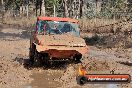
x=110, y=40
x=115, y=41
x=105, y=26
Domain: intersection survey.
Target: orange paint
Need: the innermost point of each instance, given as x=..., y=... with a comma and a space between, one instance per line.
x=58, y=19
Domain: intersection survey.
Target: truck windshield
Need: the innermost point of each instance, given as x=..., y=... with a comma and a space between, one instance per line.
x=54, y=27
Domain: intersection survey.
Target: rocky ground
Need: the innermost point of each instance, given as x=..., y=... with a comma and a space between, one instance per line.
x=103, y=57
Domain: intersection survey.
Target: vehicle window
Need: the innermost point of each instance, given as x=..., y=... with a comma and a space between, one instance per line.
x=66, y=28
x=53, y=27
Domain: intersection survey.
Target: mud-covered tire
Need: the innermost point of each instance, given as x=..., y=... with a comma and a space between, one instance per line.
x=81, y=80
x=34, y=56
x=46, y=61
x=37, y=59
x=78, y=58
x=31, y=54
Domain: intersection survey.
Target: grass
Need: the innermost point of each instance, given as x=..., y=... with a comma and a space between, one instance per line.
x=89, y=25
x=22, y=21
x=105, y=25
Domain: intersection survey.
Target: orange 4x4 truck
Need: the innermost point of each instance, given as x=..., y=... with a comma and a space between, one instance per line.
x=56, y=39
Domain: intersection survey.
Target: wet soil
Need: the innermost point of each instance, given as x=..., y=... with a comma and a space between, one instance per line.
x=14, y=51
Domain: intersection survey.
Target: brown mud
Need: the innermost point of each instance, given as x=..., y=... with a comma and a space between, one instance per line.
x=104, y=56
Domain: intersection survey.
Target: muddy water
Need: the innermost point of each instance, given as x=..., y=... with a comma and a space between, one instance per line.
x=48, y=79
x=45, y=79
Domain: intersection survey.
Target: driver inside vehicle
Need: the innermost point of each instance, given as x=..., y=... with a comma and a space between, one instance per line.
x=66, y=28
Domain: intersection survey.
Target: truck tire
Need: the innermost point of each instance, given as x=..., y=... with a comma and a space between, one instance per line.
x=37, y=59
x=78, y=58
x=32, y=53
x=46, y=61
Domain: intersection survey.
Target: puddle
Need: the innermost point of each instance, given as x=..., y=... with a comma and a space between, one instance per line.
x=48, y=79
x=45, y=79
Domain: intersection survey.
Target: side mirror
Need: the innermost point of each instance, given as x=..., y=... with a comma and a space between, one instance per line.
x=79, y=27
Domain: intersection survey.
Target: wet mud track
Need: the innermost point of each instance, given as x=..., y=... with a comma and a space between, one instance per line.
x=14, y=54
x=45, y=78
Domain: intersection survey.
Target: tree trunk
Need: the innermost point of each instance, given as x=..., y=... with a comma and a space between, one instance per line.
x=43, y=7
x=36, y=8
x=27, y=10
x=78, y=15
x=2, y=2
x=81, y=8
x=73, y=4
x=65, y=8
x=98, y=6
x=54, y=11
x=40, y=9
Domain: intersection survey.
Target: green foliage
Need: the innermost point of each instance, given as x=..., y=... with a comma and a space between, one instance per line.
x=12, y=4
x=49, y=4
x=109, y=8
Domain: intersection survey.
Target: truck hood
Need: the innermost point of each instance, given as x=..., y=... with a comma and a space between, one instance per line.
x=61, y=40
